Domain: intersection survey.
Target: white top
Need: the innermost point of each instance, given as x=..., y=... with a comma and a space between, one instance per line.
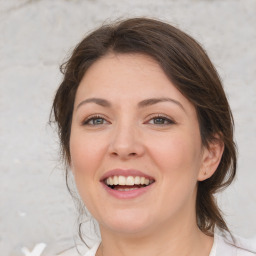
x=221, y=247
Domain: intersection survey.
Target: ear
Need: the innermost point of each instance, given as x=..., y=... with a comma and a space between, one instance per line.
x=211, y=159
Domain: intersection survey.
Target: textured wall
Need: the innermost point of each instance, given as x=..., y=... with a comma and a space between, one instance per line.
x=35, y=37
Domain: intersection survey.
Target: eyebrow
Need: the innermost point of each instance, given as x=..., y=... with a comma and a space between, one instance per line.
x=99, y=101
x=152, y=101
x=141, y=104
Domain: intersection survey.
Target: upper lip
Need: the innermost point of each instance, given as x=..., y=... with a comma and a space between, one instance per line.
x=125, y=173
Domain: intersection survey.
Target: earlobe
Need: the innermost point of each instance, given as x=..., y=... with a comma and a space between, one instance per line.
x=211, y=158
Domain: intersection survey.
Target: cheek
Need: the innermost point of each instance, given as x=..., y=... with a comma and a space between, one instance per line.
x=178, y=160
x=86, y=157
x=86, y=152
x=177, y=152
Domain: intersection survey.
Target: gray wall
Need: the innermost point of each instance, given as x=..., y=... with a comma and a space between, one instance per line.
x=35, y=37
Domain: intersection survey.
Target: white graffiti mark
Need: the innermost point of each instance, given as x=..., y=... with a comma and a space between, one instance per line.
x=37, y=251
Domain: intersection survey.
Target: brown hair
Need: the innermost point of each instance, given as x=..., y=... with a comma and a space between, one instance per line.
x=188, y=67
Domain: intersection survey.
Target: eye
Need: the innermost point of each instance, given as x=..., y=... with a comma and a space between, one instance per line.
x=161, y=120
x=95, y=120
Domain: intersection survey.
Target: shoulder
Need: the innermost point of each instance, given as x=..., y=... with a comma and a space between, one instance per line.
x=239, y=247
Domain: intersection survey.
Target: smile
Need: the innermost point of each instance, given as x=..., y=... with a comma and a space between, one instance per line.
x=126, y=183
x=123, y=183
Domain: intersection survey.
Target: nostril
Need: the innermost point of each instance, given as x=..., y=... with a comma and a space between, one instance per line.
x=120, y=154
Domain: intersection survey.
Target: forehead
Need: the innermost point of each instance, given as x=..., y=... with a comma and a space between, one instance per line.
x=113, y=68
x=131, y=77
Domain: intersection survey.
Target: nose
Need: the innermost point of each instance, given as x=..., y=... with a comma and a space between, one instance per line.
x=126, y=142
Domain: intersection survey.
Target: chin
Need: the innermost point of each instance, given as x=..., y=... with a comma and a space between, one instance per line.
x=126, y=222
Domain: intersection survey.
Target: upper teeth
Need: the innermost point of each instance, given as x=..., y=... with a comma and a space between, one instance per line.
x=130, y=180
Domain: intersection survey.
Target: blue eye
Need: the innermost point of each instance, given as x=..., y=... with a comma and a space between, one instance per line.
x=157, y=120
x=161, y=120
x=95, y=120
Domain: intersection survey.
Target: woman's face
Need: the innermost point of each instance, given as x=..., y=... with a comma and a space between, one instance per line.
x=135, y=145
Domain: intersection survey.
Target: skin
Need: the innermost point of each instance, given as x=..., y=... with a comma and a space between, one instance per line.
x=162, y=221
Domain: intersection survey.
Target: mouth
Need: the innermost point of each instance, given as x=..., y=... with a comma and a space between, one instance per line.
x=127, y=183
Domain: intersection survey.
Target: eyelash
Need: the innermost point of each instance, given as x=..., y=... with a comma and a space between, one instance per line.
x=159, y=116
x=163, y=117
x=92, y=118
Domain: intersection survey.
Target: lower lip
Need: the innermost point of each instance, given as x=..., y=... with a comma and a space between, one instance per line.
x=130, y=194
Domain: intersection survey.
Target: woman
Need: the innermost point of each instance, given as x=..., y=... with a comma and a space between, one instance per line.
x=147, y=131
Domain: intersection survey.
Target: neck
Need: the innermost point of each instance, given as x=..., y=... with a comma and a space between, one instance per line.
x=180, y=240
